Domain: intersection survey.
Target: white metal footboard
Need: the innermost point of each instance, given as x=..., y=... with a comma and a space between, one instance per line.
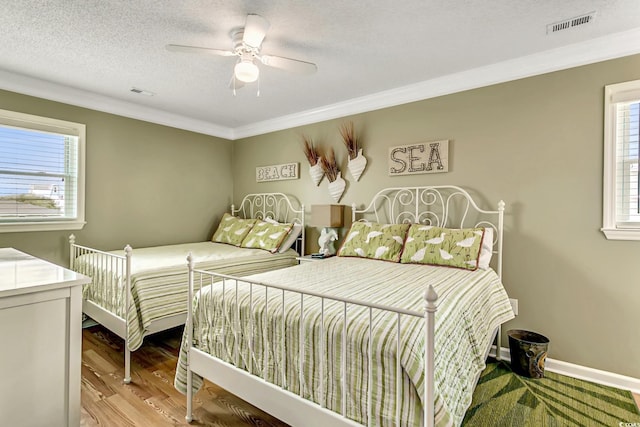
x=284, y=404
x=114, y=271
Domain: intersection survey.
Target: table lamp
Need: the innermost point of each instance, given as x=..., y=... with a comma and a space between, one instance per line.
x=329, y=217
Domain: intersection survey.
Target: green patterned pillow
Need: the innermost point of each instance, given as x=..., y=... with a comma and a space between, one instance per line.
x=232, y=230
x=267, y=236
x=458, y=248
x=375, y=241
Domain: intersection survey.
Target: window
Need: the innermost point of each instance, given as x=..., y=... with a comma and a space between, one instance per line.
x=621, y=213
x=41, y=173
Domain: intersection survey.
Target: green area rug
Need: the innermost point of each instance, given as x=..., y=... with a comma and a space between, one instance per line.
x=503, y=398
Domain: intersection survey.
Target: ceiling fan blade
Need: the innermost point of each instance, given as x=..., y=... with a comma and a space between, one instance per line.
x=255, y=29
x=195, y=49
x=288, y=64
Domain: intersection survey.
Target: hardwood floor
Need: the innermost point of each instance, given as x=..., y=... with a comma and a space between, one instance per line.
x=150, y=399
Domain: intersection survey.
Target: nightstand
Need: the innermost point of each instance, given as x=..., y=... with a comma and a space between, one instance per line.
x=309, y=258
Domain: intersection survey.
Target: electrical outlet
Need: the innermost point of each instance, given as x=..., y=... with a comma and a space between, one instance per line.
x=514, y=305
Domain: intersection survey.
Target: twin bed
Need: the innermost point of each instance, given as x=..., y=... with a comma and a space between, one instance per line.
x=135, y=293
x=386, y=334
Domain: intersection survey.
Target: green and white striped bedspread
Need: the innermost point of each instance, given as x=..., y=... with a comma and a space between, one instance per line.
x=471, y=306
x=159, y=278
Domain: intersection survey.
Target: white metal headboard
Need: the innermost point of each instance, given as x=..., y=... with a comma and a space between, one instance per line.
x=278, y=206
x=443, y=206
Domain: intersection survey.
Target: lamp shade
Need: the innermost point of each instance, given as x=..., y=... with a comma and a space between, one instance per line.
x=327, y=215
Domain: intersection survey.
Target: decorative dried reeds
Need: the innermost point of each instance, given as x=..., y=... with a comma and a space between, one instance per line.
x=310, y=152
x=329, y=165
x=349, y=138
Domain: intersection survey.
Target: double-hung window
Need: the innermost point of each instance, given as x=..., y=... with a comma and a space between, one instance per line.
x=621, y=213
x=41, y=173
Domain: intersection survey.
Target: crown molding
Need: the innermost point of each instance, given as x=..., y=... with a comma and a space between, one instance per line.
x=600, y=49
x=81, y=98
x=596, y=50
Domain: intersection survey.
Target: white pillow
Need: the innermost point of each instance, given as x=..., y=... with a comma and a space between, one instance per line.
x=486, y=250
x=296, y=230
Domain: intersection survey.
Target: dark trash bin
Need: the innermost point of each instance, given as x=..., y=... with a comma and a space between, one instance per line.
x=528, y=351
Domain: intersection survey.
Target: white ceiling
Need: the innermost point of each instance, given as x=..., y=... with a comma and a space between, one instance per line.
x=370, y=54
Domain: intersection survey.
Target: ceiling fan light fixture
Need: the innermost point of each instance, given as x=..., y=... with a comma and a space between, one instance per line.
x=247, y=48
x=246, y=71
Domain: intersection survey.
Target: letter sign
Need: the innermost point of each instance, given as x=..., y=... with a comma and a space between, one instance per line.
x=424, y=157
x=277, y=172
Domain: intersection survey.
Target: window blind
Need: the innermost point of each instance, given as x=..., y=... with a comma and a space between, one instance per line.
x=627, y=158
x=38, y=175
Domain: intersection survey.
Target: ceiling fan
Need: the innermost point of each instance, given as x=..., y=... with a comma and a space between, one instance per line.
x=247, y=43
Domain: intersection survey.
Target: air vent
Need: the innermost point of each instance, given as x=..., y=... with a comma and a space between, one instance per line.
x=571, y=23
x=141, y=91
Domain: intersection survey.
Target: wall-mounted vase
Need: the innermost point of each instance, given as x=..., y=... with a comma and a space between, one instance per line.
x=316, y=173
x=336, y=188
x=357, y=165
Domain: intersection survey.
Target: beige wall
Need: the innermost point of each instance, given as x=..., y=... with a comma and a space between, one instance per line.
x=146, y=184
x=537, y=144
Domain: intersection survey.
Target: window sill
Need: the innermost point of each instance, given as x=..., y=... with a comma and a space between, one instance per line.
x=20, y=227
x=621, y=234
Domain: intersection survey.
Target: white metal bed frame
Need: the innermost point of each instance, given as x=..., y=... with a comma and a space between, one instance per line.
x=431, y=205
x=441, y=206
x=278, y=206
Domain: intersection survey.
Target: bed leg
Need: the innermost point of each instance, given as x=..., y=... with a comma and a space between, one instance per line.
x=189, y=416
x=127, y=363
x=499, y=344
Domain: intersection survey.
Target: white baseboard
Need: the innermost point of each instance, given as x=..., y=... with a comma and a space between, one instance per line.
x=582, y=372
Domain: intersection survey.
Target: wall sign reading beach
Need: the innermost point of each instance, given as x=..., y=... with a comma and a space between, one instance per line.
x=424, y=157
x=277, y=172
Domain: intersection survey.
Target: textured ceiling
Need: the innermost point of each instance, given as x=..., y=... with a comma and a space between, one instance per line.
x=92, y=52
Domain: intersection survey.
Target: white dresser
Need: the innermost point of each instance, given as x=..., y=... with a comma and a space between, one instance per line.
x=40, y=342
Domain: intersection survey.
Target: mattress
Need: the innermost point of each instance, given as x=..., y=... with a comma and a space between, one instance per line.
x=471, y=305
x=159, y=278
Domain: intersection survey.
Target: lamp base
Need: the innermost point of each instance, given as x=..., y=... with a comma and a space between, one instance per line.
x=326, y=241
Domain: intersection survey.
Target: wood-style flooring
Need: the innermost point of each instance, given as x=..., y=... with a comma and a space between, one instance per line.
x=150, y=399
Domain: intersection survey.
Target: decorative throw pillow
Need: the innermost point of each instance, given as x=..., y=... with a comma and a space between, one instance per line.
x=266, y=236
x=232, y=230
x=458, y=248
x=375, y=241
x=296, y=230
x=486, y=251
